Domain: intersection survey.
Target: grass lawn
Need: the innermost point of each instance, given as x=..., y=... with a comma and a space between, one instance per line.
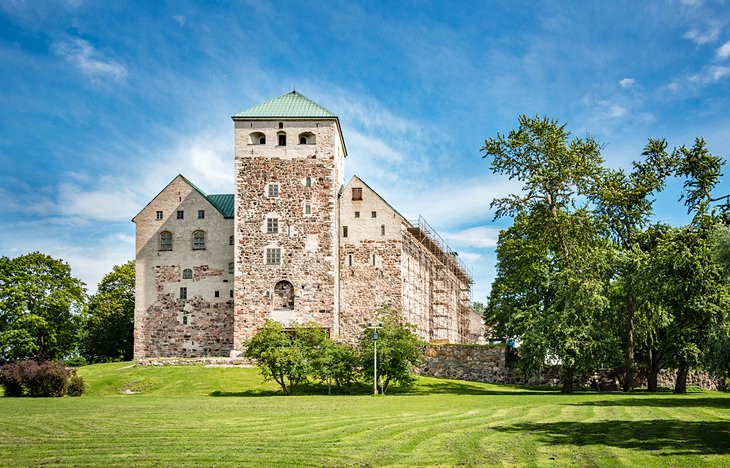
x=194, y=416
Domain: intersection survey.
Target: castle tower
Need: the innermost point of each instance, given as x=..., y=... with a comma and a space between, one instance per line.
x=289, y=162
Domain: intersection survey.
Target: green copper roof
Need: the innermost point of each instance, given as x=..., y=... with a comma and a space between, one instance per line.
x=224, y=203
x=289, y=105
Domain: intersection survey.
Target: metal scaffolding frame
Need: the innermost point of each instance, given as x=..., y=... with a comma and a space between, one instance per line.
x=431, y=239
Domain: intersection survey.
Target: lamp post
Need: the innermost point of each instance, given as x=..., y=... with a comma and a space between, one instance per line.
x=375, y=329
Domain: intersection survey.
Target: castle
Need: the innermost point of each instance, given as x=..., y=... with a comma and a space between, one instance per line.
x=294, y=243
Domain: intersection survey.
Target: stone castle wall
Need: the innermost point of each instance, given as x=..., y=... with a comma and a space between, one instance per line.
x=489, y=364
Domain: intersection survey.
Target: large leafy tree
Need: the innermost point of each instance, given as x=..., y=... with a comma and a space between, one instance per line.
x=552, y=276
x=109, y=325
x=624, y=200
x=40, y=306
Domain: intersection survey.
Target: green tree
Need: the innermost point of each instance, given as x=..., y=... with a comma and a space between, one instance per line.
x=288, y=358
x=551, y=294
x=624, y=203
x=400, y=350
x=109, y=323
x=40, y=306
x=338, y=363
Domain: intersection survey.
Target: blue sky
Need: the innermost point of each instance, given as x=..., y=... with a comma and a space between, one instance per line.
x=103, y=103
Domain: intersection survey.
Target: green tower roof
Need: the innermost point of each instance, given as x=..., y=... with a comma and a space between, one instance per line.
x=289, y=105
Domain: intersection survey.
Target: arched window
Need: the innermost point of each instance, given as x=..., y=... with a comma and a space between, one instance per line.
x=281, y=124
x=187, y=273
x=284, y=296
x=199, y=240
x=230, y=240
x=166, y=240
x=282, y=138
x=257, y=138
x=230, y=268
x=307, y=138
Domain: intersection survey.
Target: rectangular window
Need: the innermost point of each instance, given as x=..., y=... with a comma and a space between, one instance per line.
x=344, y=231
x=349, y=260
x=273, y=190
x=273, y=256
x=373, y=260
x=217, y=294
x=308, y=182
x=201, y=214
x=180, y=214
x=282, y=139
x=185, y=319
x=357, y=214
x=272, y=225
x=183, y=293
x=373, y=214
x=307, y=209
x=357, y=193
x=382, y=229
x=159, y=215
x=231, y=292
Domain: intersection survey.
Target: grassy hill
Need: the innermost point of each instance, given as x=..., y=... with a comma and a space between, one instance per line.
x=198, y=416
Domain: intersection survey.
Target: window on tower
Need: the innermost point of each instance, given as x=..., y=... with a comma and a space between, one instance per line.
x=273, y=256
x=272, y=225
x=273, y=190
x=257, y=138
x=307, y=138
x=282, y=138
x=357, y=193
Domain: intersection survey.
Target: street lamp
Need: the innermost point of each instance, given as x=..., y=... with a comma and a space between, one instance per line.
x=375, y=329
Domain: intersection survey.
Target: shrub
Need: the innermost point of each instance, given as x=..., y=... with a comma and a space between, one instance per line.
x=340, y=363
x=75, y=385
x=49, y=379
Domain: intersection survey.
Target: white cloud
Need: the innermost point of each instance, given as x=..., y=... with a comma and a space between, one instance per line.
x=616, y=112
x=691, y=3
x=627, y=83
x=724, y=51
x=179, y=19
x=82, y=55
x=702, y=37
x=710, y=75
x=474, y=237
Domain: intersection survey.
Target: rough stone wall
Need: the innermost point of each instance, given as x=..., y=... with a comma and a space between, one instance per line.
x=159, y=310
x=308, y=241
x=489, y=364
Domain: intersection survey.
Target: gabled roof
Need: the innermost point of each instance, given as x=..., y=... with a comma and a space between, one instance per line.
x=288, y=105
x=221, y=202
x=354, y=177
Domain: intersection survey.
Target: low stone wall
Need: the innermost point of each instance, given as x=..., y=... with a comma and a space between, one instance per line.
x=207, y=361
x=481, y=363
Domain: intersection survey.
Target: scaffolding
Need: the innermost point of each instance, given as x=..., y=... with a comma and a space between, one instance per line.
x=428, y=236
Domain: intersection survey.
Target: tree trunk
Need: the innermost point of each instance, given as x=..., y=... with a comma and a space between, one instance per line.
x=680, y=385
x=567, y=380
x=652, y=376
x=629, y=345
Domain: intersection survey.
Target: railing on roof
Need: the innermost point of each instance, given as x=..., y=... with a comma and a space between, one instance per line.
x=440, y=248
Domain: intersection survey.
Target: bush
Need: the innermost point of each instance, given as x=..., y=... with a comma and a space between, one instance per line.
x=75, y=385
x=49, y=379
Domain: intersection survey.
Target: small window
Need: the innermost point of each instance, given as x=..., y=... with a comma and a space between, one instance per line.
x=373, y=214
x=201, y=214
x=185, y=319
x=272, y=225
x=273, y=190
x=180, y=214
x=198, y=240
x=357, y=214
x=166, y=240
x=273, y=256
x=344, y=231
x=306, y=138
x=308, y=182
x=281, y=124
x=159, y=215
x=374, y=258
x=231, y=293
x=230, y=268
x=187, y=273
x=217, y=294
x=357, y=194
x=307, y=209
x=230, y=240
x=382, y=229
x=302, y=140
x=282, y=138
x=183, y=293
x=257, y=138
x=349, y=260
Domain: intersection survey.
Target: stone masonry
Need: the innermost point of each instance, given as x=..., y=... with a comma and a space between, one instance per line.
x=293, y=243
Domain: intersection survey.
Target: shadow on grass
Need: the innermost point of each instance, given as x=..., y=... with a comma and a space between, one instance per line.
x=674, y=437
x=675, y=401
x=467, y=388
